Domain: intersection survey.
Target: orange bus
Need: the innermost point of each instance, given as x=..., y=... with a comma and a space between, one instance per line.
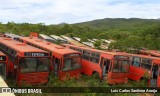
x=154, y=53
x=66, y=62
x=26, y=63
x=3, y=65
x=141, y=65
x=110, y=66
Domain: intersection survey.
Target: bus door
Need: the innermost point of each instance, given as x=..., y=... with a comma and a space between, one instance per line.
x=155, y=76
x=3, y=70
x=56, y=64
x=105, y=67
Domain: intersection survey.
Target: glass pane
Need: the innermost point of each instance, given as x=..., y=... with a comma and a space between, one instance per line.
x=43, y=64
x=137, y=64
x=94, y=54
x=76, y=63
x=120, y=57
x=95, y=60
x=117, y=66
x=121, y=66
x=72, y=63
x=130, y=58
x=137, y=59
x=146, y=66
x=145, y=60
x=125, y=66
x=2, y=70
x=85, y=57
x=68, y=62
x=28, y=65
x=85, y=52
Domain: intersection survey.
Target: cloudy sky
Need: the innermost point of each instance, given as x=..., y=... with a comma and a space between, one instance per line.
x=73, y=11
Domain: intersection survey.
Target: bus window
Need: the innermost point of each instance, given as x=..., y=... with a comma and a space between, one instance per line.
x=130, y=58
x=121, y=66
x=106, y=65
x=125, y=67
x=43, y=64
x=78, y=49
x=86, y=55
x=101, y=64
x=72, y=48
x=2, y=70
x=56, y=65
x=72, y=63
x=95, y=60
x=95, y=57
x=95, y=54
x=146, y=63
x=116, y=66
x=136, y=61
x=28, y=65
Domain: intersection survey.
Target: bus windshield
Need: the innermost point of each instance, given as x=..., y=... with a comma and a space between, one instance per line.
x=29, y=65
x=121, y=65
x=72, y=63
x=3, y=70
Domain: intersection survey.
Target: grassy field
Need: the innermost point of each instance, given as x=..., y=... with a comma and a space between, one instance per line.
x=86, y=81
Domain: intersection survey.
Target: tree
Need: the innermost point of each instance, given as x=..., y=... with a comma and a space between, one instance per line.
x=97, y=44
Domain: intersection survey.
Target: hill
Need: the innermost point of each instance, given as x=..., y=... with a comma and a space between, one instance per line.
x=128, y=33
x=120, y=24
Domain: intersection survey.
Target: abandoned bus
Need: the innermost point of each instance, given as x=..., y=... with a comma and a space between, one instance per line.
x=154, y=53
x=110, y=66
x=3, y=65
x=66, y=62
x=13, y=36
x=143, y=65
x=26, y=63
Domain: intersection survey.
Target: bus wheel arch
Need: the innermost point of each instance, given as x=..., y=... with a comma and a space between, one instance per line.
x=96, y=75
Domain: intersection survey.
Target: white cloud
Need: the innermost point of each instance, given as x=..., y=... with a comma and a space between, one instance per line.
x=72, y=11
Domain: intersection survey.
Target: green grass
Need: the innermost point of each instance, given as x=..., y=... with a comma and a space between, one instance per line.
x=86, y=81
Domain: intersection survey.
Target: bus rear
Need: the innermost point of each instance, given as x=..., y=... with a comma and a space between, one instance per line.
x=33, y=68
x=118, y=70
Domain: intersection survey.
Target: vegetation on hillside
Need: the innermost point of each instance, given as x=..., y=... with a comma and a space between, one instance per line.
x=128, y=33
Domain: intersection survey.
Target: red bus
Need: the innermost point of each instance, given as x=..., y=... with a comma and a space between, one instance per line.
x=154, y=53
x=26, y=63
x=66, y=62
x=110, y=66
x=3, y=65
x=141, y=65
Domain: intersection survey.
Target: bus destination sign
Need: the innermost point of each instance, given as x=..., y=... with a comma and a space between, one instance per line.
x=36, y=54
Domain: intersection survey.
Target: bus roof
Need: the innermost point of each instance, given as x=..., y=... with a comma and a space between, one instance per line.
x=18, y=46
x=144, y=56
x=45, y=37
x=12, y=35
x=96, y=50
x=151, y=52
x=48, y=46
